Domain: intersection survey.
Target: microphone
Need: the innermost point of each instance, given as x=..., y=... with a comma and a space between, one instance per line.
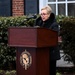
x=31, y=17
x=28, y=18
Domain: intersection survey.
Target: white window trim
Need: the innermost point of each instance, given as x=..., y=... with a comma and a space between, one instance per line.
x=43, y=3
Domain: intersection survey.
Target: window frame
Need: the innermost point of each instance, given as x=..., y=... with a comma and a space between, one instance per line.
x=56, y=3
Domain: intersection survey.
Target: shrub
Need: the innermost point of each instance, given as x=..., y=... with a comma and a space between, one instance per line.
x=68, y=37
x=8, y=54
x=2, y=72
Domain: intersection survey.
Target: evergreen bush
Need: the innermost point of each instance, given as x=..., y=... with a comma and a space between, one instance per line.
x=68, y=38
x=8, y=54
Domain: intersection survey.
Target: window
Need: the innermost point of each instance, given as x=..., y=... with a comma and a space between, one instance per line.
x=5, y=7
x=51, y=0
x=62, y=7
x=31, y=6
x=53, y=7
x=71, y=7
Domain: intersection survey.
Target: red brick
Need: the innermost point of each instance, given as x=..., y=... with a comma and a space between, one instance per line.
x=17, y=7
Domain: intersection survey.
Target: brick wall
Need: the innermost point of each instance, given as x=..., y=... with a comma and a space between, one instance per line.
x=17, y=7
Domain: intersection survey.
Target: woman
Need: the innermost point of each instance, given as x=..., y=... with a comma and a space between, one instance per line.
x=47, y=20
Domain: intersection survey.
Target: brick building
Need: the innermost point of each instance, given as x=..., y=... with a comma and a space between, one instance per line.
x=25, y=7
x=18, y=7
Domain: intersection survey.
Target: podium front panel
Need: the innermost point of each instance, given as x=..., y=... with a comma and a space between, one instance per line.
x=32, y=37
x=40, y=61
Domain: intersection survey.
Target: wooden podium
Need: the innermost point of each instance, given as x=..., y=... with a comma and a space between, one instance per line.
x=32, y=46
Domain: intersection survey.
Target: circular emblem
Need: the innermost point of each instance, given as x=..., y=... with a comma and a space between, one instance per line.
x=25, y=59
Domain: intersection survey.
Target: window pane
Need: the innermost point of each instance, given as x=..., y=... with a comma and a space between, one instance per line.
x=53, y=6
x=51, y=0
x=61, y=0
x=61, y=9
x=71, y=7
x=5, y=7
x=31, y=7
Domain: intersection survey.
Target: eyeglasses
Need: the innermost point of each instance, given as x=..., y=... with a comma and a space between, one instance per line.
x=44, y=14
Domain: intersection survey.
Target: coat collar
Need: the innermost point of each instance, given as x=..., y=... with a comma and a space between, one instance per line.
x=51, y=18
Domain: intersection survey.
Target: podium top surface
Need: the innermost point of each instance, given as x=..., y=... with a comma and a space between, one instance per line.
x=31, y=37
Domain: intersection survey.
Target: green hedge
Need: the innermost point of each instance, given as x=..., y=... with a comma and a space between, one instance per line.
x=8, y=54
x=6, y=72
x=68, y=37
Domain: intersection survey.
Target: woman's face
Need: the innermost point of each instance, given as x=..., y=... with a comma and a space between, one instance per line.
x=44, y=15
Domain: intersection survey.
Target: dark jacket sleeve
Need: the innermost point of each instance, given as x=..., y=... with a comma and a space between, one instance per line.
x=54, y=51
x=55, y=27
